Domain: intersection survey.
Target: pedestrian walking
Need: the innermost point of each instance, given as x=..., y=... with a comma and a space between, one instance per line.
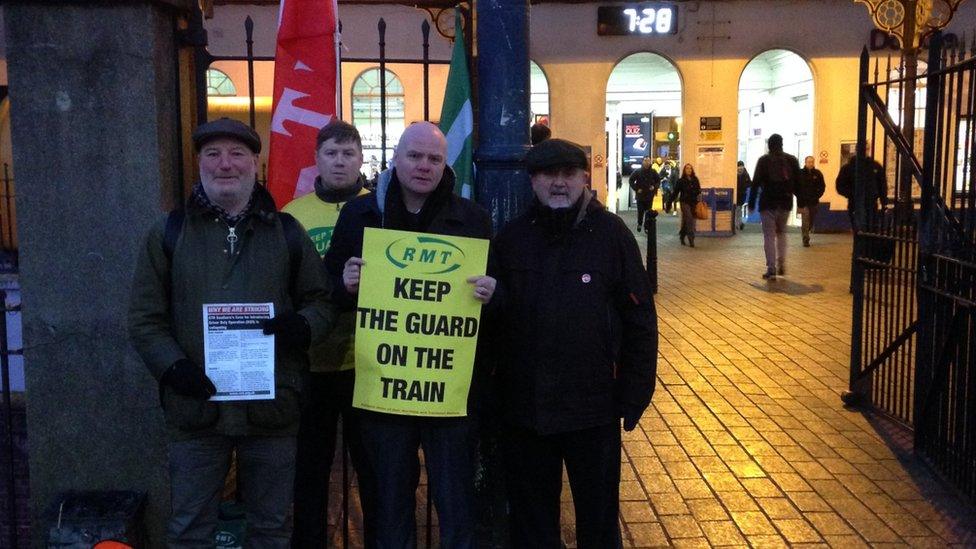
x=644, y=181
x=742, y=184
x=776, y=176
x=810, y=187
x=687, y=193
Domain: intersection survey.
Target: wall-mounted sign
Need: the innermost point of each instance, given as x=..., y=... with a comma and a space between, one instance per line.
x=640, y=19
x=635, y=137
x=710, y=123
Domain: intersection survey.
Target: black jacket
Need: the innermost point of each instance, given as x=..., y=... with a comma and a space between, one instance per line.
x=645, y=184
x=876, y=190
x=687, y=190
x=577, y=324
x=776, y=174
x=810, y=187
x=742, y=184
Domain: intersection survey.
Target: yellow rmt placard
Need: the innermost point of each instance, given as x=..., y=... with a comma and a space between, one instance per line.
x=417, y=322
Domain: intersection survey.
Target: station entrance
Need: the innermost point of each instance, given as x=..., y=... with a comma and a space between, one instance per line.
x=643, y=119
x=775, y=96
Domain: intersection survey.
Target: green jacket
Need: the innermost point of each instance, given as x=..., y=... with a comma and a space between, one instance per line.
x=165, y=328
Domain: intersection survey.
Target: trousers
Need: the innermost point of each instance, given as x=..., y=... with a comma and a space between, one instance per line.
x=534, y=467
x=774, y=236
x=265, y=473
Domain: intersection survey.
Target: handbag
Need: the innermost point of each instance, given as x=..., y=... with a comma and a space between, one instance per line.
x=702, y=211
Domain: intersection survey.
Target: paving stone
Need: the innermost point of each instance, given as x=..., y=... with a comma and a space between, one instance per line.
x=649, y=534
x=778, y=508
x=761, y=487
x=637, y=511
x=753, y=522
x=767, y=541
x=722, y=482
x=694, y=488
x=829, y=523
x=707, y=509
x=669, y=504
x=722, y=533
x=681, y=526
x=854, y=542
x=693, y=543
x=797, y=530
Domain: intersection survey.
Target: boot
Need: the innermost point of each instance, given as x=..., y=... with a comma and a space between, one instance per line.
x=691, y=240
x=682, y=238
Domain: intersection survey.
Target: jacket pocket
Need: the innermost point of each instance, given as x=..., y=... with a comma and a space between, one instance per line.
x=281, y=412
x=188, y=414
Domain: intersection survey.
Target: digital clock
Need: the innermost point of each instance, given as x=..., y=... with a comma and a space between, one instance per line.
x=639, y=19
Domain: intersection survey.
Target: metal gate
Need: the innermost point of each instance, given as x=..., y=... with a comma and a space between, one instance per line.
x=914, y=263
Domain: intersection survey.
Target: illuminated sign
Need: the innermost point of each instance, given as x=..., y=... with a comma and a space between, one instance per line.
x=640, y=19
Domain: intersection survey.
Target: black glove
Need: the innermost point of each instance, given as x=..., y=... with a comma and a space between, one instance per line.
x=631, y=414
x=189, y=380
x=291, y=331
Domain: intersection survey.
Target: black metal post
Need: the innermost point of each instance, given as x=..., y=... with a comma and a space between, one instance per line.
x=425, y=30
x=381, y=26
x=503, y=112
x=339, y=74
x=856, y=385
x=926, y=240
x=249, y=32
x=650, y=229
x=8, y=421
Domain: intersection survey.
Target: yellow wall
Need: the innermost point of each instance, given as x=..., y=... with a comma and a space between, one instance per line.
x=709, y=88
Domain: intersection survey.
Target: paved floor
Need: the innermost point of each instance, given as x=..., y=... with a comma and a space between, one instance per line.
x=746, y=441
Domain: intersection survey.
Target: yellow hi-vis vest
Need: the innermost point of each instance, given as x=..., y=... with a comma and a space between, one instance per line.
x=336, y=352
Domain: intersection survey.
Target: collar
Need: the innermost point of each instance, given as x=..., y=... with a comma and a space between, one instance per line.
x=333, y=196
x=261, y=205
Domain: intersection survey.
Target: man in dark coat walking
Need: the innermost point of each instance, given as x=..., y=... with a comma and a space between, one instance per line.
x=810, y=187
x=579, y=333
x=644, y=181
x=775, y=176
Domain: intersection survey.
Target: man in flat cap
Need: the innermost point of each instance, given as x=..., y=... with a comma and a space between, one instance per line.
x=580, y=349
x=228, y=245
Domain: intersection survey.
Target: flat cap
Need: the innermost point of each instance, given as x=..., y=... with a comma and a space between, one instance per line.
x=226, y=127
x=555, y=153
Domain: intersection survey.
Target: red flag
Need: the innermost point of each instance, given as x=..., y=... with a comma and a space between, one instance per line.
x=305, y=93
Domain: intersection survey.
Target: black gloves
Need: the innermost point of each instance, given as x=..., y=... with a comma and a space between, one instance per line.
x=291, y=332
x=631, y=414
x=189, y=380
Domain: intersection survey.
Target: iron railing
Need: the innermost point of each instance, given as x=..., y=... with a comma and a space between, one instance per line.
x=913, y=356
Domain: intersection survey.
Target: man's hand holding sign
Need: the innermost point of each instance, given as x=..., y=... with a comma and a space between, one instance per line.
x=417, y=328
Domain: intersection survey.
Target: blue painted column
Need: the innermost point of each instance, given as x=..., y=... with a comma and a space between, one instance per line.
x=503, y=108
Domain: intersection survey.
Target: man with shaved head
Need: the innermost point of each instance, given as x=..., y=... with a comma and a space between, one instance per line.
x=417, y=194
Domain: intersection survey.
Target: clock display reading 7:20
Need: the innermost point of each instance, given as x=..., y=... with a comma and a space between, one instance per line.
x=637, y=19
x=649, y=20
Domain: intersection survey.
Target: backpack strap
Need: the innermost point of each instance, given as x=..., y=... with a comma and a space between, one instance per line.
x=174, y=224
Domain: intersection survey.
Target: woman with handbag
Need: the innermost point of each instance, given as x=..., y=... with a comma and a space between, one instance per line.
x=687, y=192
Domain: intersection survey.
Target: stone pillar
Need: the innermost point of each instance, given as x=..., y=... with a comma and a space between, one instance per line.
x=503, y=107
x=95, y=132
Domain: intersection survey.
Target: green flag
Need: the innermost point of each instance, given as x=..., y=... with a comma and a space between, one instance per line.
x=457, y=120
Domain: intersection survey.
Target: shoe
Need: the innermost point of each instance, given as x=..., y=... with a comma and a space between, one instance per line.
x=781, y=271
x=769, y=275
x=742, y=226
x=682, y=238
x=806, y=242
x=691, y=241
